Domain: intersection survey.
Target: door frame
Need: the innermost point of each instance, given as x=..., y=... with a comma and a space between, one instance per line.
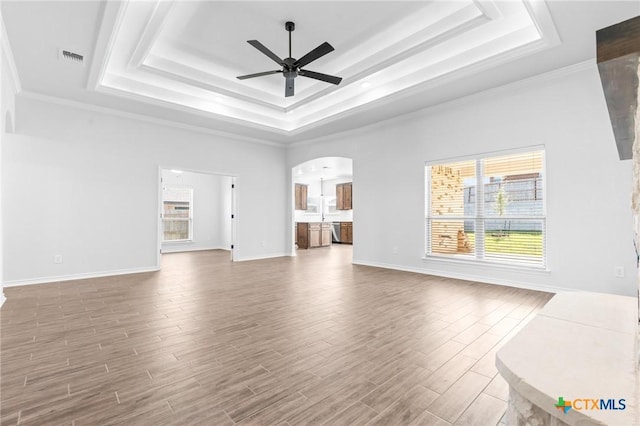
x=234, y=208
x=292, y=204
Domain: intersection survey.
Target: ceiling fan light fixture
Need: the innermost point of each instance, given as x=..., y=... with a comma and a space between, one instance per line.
x=291, y=67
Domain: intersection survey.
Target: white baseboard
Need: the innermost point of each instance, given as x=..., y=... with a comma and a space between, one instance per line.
x=179, y=249
x=466, y=277
x=58, y=278
x=267, y=256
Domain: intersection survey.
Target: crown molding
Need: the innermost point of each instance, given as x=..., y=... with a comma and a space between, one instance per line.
x=431, y=48
x=516, y=85
x=193, y=111
x=7, y=56
x=144, y=118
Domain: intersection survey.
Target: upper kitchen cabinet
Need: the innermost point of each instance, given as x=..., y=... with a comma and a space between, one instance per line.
x=344, y=196
x=301, y=196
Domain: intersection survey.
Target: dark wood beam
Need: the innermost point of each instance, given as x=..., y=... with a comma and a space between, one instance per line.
x=619, y=40
x=618, y=53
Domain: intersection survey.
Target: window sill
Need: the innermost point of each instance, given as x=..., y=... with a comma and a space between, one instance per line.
x=486, y=263
x=177, y=241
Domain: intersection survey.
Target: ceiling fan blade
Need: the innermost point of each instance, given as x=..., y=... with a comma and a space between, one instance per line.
x=261, y=47
x=319, y=76
x=288, y=88
x=316, y=53
x=258, y=74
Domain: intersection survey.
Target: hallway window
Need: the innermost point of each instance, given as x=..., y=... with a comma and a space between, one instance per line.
x=488, y=208
x=177, y=216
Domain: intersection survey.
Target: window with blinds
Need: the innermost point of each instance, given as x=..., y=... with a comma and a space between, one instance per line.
x=489, y=209
x=177, y=214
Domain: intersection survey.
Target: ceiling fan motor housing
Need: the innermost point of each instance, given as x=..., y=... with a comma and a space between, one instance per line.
x=289, y=70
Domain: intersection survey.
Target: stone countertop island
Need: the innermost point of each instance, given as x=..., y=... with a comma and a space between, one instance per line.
x=581, y=347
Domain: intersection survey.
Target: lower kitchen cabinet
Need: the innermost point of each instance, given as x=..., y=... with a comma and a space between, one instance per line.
x=346, y=232
x=313, y=234
x=327, y=231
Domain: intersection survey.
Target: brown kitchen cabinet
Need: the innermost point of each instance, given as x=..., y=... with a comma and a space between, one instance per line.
x=327, y=233
x=301, y=196
x=313, y=234
x=344, y=195
x=346, y=232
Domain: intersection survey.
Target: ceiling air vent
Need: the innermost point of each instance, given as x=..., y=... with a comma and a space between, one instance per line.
x=69, y=56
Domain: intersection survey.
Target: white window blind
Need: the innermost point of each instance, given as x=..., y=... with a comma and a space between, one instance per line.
x=177, y=216
x=488, y=208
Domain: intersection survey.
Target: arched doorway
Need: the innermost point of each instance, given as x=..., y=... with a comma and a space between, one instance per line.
x=322, y=193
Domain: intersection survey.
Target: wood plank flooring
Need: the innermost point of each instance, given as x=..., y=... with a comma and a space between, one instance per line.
x=287, y=341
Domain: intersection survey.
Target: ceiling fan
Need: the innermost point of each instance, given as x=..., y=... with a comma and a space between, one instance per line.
x=291, y=67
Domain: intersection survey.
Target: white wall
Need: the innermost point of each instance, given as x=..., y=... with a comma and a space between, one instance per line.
x=7, y=111
x=209, y=220
x=67, y=167
x=58, y=185
x=588, y=197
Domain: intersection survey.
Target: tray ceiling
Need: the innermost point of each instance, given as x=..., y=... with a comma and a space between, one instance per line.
x=177, y=61
x=188, y=54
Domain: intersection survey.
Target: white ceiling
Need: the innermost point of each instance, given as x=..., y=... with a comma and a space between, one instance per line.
x=323, y=168
x=178, y=60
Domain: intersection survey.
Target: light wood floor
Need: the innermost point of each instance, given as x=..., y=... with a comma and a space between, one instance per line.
x=288, y=341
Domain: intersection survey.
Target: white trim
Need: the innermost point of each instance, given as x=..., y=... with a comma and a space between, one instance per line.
x=159, y=221
x=268, y=256
x=73, y=277
x=110, y=25
x=479, y=218
x=234, y=218
x=196, y=112
x=499, y=42
x=150, y=33
x=487, y=154
x=473, y=261
x=461, y=101
x=467, y=277
x=179, y=249
x=218, y=89
x=145, y=118
x=2, y=299
x=467, y=71
x=14, y=78
x=234, y=209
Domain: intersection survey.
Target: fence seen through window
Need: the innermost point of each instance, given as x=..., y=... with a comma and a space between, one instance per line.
x=177, y=213
x=502, y=219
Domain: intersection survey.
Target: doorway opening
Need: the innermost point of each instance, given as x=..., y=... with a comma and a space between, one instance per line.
x=322, y=207
x=197, y=211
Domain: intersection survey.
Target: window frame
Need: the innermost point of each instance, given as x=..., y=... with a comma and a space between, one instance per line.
x=477, y=256
x=189, y=219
